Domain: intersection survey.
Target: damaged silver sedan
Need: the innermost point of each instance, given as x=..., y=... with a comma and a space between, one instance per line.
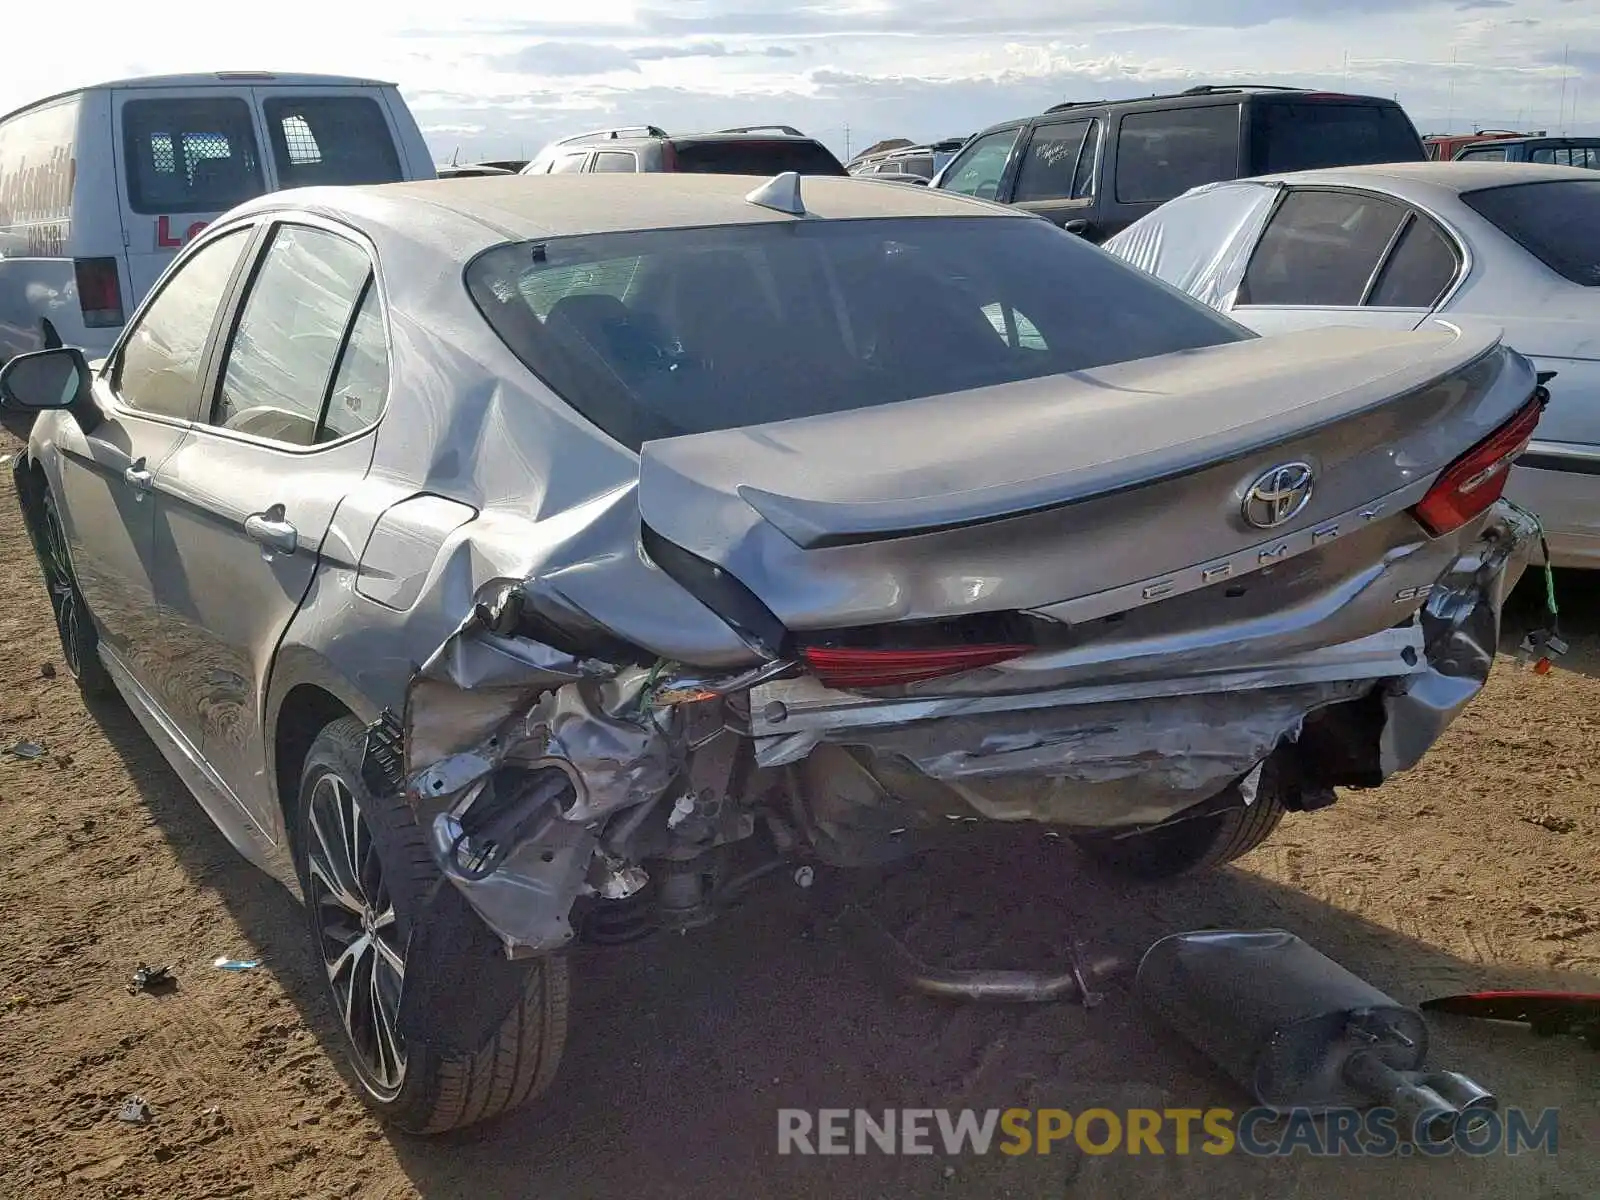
x=506, y=563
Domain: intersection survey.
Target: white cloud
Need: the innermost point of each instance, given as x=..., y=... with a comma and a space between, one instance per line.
x=498, y=76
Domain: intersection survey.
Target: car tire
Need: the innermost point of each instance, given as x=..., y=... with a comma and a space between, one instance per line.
x=440, y=1029
x=1194, y=845
x=74, y=626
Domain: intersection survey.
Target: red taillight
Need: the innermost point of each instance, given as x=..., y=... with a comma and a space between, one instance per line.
x=99, y=292
x=849, y=668
x=1474, y=481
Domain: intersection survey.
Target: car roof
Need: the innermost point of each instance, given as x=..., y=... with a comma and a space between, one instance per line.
x=1439, y=178
x=1538, y=137
x=209, y=79
x=518, y=207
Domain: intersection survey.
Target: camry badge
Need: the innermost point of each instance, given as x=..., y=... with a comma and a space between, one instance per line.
x=1278, y=495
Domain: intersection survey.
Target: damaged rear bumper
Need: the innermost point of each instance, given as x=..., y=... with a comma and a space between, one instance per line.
x=530, y=767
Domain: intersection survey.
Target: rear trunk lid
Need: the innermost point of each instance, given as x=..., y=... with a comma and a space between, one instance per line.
x=1029, y=495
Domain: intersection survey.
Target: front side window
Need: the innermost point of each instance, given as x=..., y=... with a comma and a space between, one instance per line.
x=1320, y=249
x=289, y=335
x=190, y=156
x=1050, y=167
x=977, y=172
x=1163, y=154
x=161, y=366
x=567, y=163
x=1488, y=154
x=669, y=332
x=320, y=140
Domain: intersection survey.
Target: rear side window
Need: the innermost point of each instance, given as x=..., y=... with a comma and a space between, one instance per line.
x=615, y=161
x=288, y=338
x=1305, y=135
x=1489, y=154
x=1052, y=165
x=679, y=331
x=1419, y=268
x=190, y=156
x=1554, y=222
x=320, y=140
x=748, y=157
x=917, y=166
x=1163, y=154
x=1320, y=249
x=1587, y=157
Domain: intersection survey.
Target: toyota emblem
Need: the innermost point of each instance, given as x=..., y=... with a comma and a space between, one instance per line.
x=1278, y=495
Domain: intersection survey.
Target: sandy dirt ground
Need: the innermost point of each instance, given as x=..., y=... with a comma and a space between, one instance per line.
x=1479, y=869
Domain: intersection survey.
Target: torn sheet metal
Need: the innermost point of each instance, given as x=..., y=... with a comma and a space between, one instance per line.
x=1200, y=242
x=789, y=716
x=1461, y=621
x=485, y=701
x=1100, y=765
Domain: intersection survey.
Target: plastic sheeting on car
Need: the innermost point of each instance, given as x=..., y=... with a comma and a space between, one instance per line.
x=1200, y=242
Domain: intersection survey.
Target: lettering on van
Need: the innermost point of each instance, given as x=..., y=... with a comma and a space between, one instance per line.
x=36, y=203
x=166, y=239
x=38, y=168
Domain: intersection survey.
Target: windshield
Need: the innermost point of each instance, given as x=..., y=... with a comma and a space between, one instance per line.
x=1554, y=222
x=668, y=332
x=747, y=156
x=1306, y=135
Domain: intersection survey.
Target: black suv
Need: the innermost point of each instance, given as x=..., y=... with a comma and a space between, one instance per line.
x=1095, y=167
x=1561, y=151
x=748, y=150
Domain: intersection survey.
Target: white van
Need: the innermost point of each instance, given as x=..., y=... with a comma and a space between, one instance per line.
x=100, y=187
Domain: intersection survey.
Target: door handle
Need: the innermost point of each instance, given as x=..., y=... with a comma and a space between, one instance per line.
x=1078, y=226
x=272, y=532
x=138, y=476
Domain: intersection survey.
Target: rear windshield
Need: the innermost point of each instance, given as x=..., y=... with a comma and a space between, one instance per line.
x=668, y=332
x=750, y=157
x=330, y=140
x=190, y=156
x=1554, y=222
x=1303, y=136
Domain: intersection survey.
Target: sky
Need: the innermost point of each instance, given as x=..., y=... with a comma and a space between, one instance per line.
x=500, y=78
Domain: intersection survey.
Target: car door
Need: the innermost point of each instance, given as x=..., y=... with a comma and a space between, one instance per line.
x=187, y=155
x=148, y=392
x=1345, y=257
x=245, y=502
x=1056, y=174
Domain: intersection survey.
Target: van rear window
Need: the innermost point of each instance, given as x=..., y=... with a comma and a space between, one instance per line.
x=1307, y=135
x=318, y=140
x=190, y=156
x=749, y=157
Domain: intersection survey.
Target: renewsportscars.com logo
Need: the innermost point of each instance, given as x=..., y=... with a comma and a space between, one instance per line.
x=1259, y=1132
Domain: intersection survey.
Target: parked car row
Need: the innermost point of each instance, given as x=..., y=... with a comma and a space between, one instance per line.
x=1505, y=145
x=1095, y=167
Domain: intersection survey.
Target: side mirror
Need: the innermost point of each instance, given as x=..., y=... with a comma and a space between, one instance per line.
x=46, y=379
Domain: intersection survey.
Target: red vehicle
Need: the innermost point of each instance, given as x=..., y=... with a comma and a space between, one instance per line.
x=1443, y=146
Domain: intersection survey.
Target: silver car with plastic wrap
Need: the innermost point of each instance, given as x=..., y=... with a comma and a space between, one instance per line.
x=510, y=562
